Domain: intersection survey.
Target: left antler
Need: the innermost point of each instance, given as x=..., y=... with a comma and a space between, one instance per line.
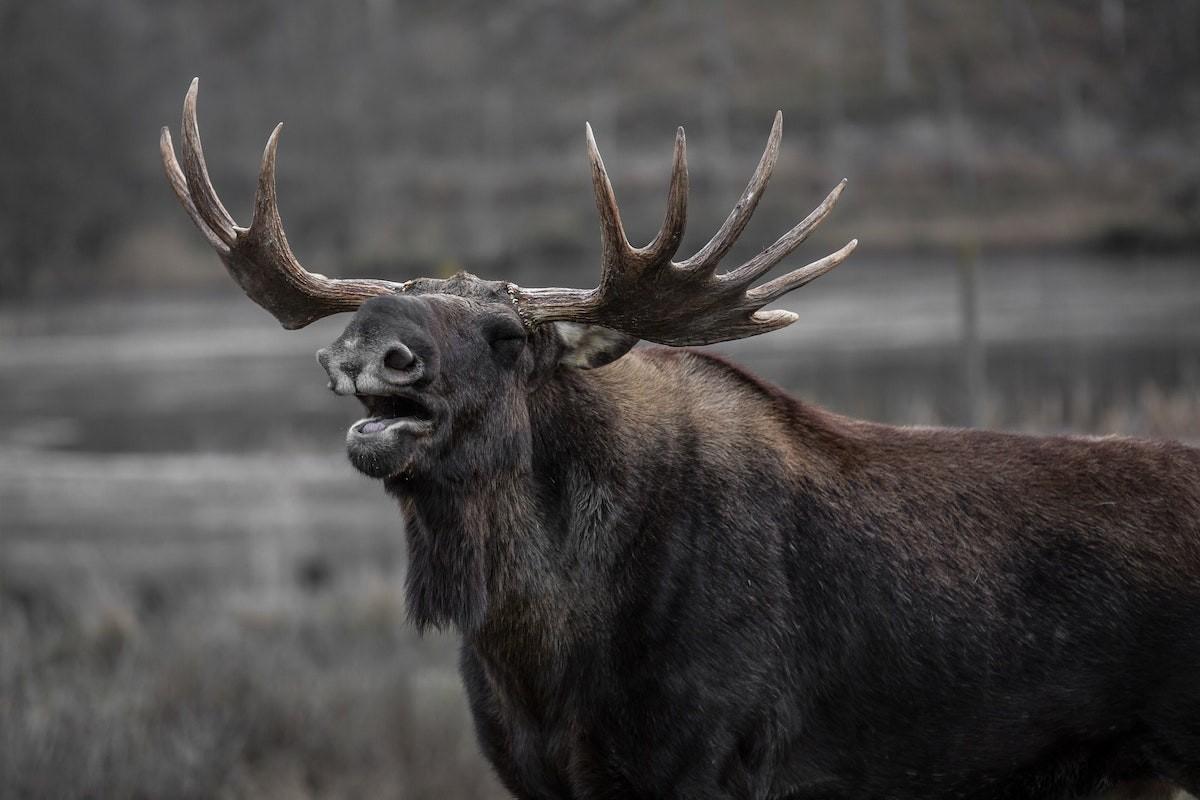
x=258, y=257
x=644, y=293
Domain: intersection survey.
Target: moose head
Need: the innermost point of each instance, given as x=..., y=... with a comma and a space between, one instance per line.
x=442, y=365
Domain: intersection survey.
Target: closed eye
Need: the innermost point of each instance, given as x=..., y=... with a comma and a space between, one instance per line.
x=506, y=336
x=508, y=348
x=503, y=329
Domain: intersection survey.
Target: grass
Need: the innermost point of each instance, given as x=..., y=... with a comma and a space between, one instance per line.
x=315, y=692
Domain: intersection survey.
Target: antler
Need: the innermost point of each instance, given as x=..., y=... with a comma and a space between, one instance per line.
x=258, y=257
x=644, y=293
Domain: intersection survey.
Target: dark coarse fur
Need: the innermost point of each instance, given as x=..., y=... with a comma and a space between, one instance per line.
x=674, y=580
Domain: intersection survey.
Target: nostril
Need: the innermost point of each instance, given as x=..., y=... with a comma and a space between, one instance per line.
x=399, y=358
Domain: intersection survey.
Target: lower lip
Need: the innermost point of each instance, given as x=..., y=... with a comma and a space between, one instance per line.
x=374, y=427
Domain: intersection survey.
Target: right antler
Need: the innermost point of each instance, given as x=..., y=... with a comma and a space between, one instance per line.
x=644, y=293
x=258, y=257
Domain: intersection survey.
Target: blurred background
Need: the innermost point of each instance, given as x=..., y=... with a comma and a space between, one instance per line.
x=200, y=598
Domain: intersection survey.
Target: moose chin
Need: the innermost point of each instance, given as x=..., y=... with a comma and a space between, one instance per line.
x=672, y=579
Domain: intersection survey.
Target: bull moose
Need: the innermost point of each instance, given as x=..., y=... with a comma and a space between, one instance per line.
x=672, y=579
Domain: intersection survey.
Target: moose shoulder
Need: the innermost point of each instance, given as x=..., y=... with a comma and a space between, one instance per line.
x=674, y=580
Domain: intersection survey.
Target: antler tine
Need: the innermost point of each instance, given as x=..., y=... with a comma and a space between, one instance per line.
x=266, y=237
x=266, y=203
x=767, y=321
x=204, y=196
x=258, y=257
x=778, y=287
x=670, y=235
x=785, y=244
x=614, y=243
x=711, y=254
x=179, y=184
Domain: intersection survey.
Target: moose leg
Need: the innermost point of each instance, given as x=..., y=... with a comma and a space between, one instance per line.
x=490, y=732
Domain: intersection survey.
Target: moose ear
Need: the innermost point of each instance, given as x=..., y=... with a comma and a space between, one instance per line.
x=591, y=346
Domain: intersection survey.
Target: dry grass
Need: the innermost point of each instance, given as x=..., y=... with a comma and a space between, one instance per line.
x=323, y=693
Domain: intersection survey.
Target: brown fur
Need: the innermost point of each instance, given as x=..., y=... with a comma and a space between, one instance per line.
x=673, y=579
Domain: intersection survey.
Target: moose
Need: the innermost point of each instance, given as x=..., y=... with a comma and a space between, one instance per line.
x=673, y=579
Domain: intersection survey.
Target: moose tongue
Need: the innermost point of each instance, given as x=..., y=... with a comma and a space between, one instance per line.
x=374, y=426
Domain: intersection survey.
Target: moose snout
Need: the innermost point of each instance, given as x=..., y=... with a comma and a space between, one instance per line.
x=376, y=368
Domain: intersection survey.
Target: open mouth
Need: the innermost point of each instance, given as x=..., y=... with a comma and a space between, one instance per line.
x=391, y=412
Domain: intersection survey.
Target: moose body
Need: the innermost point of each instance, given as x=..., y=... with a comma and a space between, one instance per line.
x=674, y=580
x=737, y=595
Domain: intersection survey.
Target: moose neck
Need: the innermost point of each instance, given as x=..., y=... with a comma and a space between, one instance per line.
x=449, y=528
x=506, y=554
